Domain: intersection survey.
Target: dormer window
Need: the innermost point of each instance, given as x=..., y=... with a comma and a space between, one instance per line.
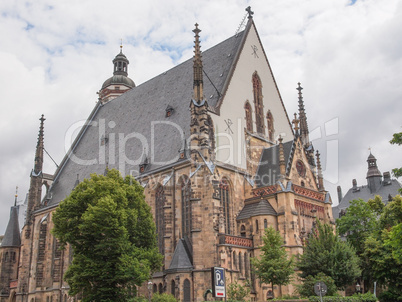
x=169, y=111
x=144, y=164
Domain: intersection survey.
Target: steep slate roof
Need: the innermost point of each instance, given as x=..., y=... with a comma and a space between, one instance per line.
x=268, y=170
x=133, y=114
x=256, y=209
x=12, y=235
x=181, y=259
x=363, y=192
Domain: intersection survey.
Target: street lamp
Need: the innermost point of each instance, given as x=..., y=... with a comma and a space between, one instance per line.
x=357, y=287
x=149, y=290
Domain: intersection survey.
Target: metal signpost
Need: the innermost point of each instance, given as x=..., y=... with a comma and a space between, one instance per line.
x=218, y=282
x=320, y=289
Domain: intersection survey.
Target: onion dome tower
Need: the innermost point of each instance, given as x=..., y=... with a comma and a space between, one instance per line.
x=119, y=82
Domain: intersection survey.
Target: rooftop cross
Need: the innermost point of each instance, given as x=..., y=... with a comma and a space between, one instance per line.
x=250, y=13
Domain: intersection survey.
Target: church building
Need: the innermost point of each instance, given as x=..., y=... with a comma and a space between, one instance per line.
x=218, y=157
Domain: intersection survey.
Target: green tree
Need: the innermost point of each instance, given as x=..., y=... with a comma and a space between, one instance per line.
x=274, y=267
x=110, y=228
x=397, y=140
x=359, y=222
x=326, y=253
x=382, y=249
x=306, y=288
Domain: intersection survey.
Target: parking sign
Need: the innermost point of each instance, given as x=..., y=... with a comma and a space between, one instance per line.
x=218, y=282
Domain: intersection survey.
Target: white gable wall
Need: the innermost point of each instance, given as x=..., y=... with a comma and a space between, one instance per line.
x=231, y=144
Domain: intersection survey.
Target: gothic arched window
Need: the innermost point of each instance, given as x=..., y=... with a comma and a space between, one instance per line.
x=243, y=231
x=159, y=217
x=172, y=288
x=246, y=265
x=240, y=264
x=270, y=126
x=258, y=104
x=234, y=260
x=249, y=117
x=40, y=260
x=186, y=213
x=186, y=290
x=225, y=204
x=57, y=255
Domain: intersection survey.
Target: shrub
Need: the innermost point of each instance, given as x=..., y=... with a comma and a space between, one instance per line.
x=163, y=298
x=306, y=289
x=367, y=297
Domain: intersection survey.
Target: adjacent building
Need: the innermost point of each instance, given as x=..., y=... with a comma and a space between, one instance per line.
x=377, y=184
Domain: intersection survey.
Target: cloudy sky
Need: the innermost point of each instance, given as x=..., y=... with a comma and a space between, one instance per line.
x=55, y=55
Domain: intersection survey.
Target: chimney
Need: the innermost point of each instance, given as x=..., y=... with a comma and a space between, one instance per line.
x=354, y=182
x=339, y=189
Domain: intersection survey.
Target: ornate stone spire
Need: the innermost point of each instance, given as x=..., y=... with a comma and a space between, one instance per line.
x=39, y=148
x=320, y=177
x=304, y=133
x=197, y=67
x=35, y=187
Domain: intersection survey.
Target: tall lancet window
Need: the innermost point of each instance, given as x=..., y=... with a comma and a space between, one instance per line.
x=258, y=104
x=159, y=217
x=270, y=126
x=40, y=261
x=186, y=207
x=249, y=118
x=225, y=204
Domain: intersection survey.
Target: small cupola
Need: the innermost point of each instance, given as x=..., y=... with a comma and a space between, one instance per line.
x=119, y=82
x=120, y=63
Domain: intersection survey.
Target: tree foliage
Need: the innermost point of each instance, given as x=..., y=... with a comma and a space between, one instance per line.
x=397, y=140
x=110, y=228
x=274, y=267
x=326, y=253
x=358, y=224
x=382, y=248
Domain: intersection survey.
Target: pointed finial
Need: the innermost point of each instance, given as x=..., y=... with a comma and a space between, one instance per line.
x=16, y=195
x=296, y=123
x=121, y=45
x=320, y=177
x=301, y=103
x=250, y=13
x=197, y=67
